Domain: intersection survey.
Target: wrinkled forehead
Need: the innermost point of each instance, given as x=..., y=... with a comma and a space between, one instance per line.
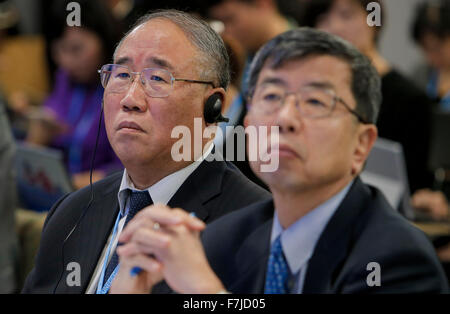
x=321, y=70
x=157, y=42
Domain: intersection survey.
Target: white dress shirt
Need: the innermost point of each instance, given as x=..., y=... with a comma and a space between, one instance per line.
x=160, y=192
x=300, y=238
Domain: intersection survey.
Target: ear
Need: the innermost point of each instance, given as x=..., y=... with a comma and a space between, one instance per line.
x=246, y=122
x=365, y=138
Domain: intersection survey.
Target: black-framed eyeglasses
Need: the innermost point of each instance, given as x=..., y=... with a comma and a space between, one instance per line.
x=117, y=78
x=311, y=101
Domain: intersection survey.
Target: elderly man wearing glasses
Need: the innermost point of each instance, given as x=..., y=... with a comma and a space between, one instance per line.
x=325, y=231
x=169, y=69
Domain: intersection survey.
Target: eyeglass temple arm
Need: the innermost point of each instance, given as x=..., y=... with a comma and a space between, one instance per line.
x=196, y=81
x=361, y=119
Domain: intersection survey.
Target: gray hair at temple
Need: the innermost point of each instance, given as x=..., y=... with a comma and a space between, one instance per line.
x=304, y=42
x=213, y=59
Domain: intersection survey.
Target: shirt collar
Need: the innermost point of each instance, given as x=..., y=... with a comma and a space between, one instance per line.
x=163, y=190
x=299, y=240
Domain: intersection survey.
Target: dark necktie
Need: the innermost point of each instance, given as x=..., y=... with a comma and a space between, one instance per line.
x=277, y=270
x=138, y=200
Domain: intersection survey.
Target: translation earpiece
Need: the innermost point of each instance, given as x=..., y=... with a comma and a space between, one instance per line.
x=213, y=109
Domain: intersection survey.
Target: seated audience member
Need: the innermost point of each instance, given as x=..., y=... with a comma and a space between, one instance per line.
x=433, y=202
x=431, y=30
x=165, y=72
x=70, y=117
x=8, y=242
x=23, y=71
x=405, y=109
x=324, y=231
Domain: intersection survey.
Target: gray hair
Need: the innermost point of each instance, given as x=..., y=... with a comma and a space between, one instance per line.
x=303, y=42
x=214, y=56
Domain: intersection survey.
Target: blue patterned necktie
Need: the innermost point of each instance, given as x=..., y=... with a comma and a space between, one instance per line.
x=277, y=270
x=138, y=200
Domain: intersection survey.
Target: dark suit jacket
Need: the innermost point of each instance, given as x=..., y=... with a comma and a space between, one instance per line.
x=243, y=165
x=363, y=229
x=212, y=190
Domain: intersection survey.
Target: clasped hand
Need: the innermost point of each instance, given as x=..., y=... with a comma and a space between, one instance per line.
x=165, y=244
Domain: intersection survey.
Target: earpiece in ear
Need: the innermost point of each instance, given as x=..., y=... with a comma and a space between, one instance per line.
x=213, y=109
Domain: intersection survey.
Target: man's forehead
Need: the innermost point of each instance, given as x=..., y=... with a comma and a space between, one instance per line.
x=327, y=70
x=157, y=42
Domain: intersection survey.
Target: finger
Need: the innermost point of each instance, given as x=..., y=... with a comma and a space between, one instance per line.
x=151, y=238
x=155, y=213
x=133, y=225
x=164, y=215
x=143, y=261
x=190, y=219
x=160, y=213
x=136, y=246
x=129, y=250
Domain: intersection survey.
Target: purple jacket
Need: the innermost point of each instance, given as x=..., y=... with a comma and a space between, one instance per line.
x=78, y=107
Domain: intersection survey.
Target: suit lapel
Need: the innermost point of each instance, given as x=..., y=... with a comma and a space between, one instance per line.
x=200, y=187
x=335, y=242
x=253, y=254
x=87, y=242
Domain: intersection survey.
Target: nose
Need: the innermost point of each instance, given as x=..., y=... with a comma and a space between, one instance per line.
x=288, y=118
x=135, y=98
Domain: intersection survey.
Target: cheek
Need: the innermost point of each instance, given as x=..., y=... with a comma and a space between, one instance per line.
x=111, y=106
x=173, y=113
x=325, y=149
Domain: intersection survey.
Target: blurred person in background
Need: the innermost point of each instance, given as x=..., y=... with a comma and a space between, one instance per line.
x=23, y=70
x=431, y=31
x=70, y=116
x=8, y=238
x=251, y=22
x=405, y=110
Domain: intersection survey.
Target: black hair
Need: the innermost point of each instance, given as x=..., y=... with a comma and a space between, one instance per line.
x=433, y=17
x=95, y=17
x=293, y=9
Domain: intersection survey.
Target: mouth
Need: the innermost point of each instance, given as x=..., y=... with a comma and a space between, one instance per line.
x=130, y=126
x=286, y=151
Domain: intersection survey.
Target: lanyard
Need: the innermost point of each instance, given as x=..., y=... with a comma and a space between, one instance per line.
x=103, y=289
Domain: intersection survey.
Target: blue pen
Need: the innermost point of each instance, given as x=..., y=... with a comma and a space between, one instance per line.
x=136, y=270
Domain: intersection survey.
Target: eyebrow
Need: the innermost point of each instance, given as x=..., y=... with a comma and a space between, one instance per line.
x=152, y=60
x=160, y=62
x=273, y=80
x=321, y=84
x=122, y=60
x=280, y=81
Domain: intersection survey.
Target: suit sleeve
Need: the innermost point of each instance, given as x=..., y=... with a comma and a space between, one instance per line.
x=29, y=282
x=411, y=268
